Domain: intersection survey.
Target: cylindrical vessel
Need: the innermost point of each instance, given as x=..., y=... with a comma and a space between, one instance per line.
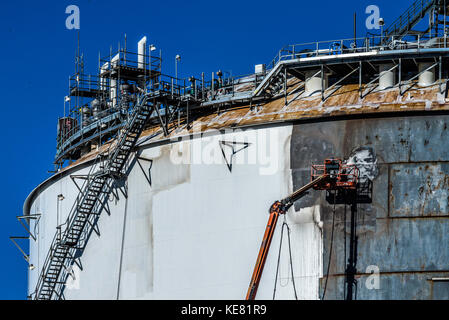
x=191, y=216
x=387, y=76
x=427, y=76
x=314, y=83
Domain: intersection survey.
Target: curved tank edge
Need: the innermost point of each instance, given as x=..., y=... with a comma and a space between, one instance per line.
x=145, y=144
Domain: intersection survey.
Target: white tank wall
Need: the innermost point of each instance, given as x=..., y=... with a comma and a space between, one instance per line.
x=195, y=234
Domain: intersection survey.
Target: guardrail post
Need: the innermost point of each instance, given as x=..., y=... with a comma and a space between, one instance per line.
x=400, y=76
x=440, y=72
x=202, y=85
x=360, y=79
x=212, y=85
x=195, y=89
x=285, y=85
x=322, y=82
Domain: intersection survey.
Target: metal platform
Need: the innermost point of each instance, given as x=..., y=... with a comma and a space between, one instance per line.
x=342, y=61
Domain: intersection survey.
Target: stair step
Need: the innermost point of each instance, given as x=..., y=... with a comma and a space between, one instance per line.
x=97, y=185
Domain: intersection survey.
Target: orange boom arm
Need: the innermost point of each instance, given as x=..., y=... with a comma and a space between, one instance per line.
x=278, y=208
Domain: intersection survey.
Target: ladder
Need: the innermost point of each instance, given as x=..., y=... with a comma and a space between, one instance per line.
x=89, y=204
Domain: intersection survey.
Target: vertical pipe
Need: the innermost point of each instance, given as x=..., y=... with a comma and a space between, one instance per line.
x=160, y=59
x=195, y=89
x=212, y=86
x=322, y=82
x=176, y=71
x=355, y=30
x=150, y=65
x=202, y=85
x=400, y=76
x=115, y=61
x=78, y=53
x=122, y=246
x=285, y=86
x=351, y=269
x=445, y=34
x=440, y=71
x=360, y=79
x=187, y=114
x=124, y=58
x=430, y=23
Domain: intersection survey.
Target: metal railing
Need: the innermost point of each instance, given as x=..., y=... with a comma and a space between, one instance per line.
x=345, y=175
x=89, y=204
x=202, y=89
x=226, y=87
x=131, y=60
x=358, y=45
x=413, y=14
x=62, y=139
x=87, y=83
x=59, y=233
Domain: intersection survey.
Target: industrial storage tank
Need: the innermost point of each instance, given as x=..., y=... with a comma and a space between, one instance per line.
x=200, y=162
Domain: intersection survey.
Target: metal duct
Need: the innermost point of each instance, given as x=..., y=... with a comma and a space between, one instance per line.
x=113, y=89
x=141, y=45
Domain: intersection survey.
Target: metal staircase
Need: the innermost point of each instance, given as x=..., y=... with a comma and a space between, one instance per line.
x=89, y=205
x=272, y=83
x=410, y=18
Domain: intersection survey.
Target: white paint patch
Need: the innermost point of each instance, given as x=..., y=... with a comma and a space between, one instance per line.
x=195, y=233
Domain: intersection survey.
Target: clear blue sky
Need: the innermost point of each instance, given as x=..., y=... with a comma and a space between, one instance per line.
x=37, y=57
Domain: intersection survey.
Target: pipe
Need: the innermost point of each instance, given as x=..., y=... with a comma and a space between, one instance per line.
x=141, y=47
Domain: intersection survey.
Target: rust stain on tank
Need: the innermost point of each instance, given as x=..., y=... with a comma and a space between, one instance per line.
x=345, y=101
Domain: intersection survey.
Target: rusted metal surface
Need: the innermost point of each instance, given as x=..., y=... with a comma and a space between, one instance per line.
x=399, y=286
x=405, y=231
x=419, y=190
x=345, y=101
